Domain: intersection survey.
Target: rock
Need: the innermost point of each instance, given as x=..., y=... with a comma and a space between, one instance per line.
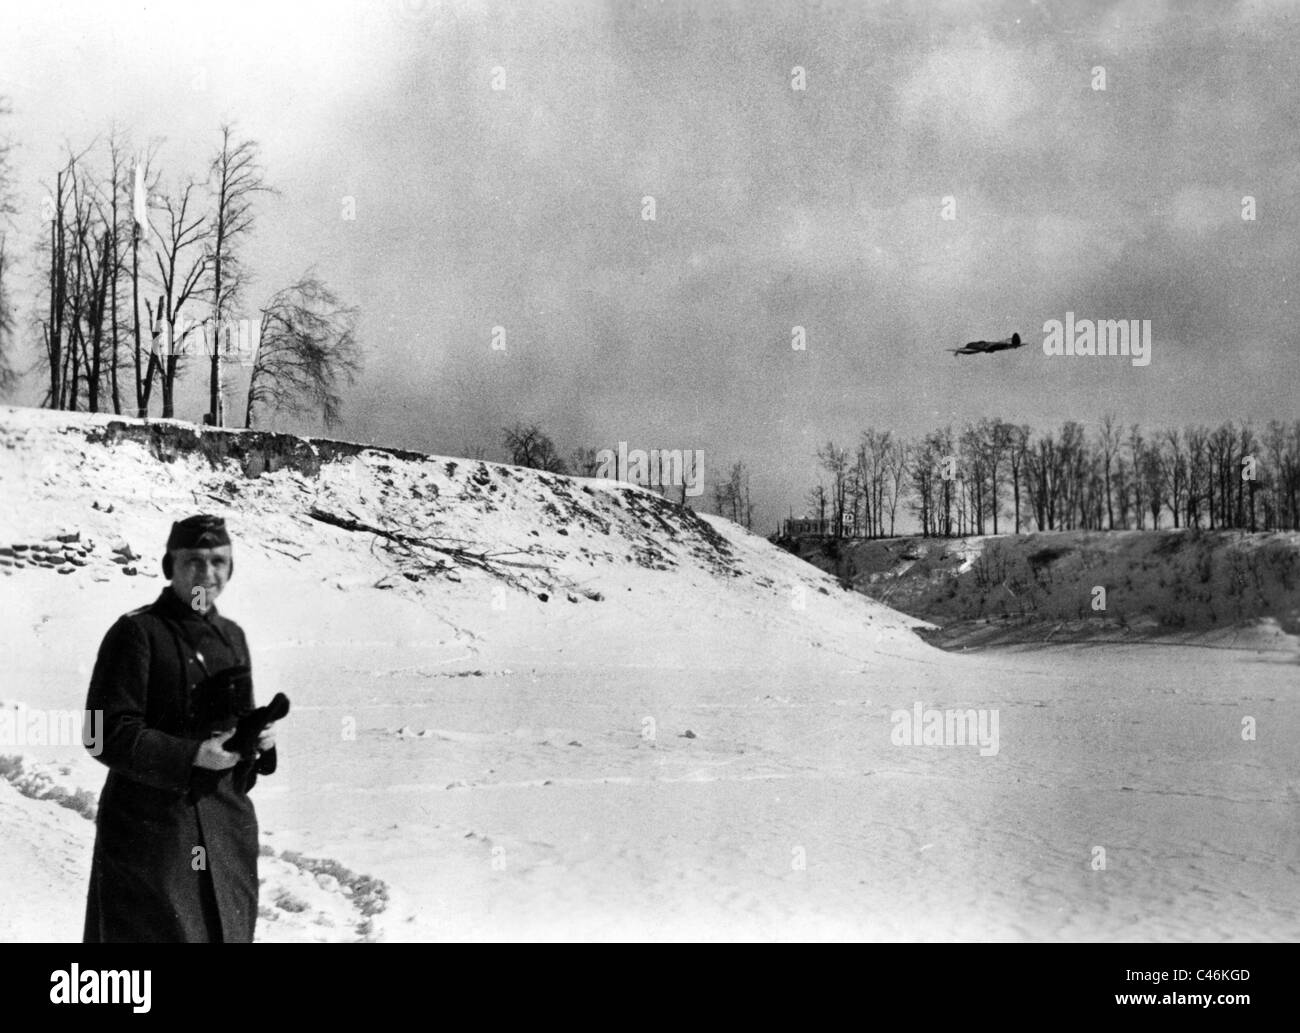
x=69, y=536
x=77, y=561
x=20, y=547
x=66, y=570
x=6, y=561
x=6, y=550
x=327, y=882
x=688, y=734
x=130, y=571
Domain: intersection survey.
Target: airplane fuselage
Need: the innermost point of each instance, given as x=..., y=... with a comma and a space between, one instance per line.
x=980, y=347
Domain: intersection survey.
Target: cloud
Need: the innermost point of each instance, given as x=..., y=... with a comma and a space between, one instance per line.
x=970, y=88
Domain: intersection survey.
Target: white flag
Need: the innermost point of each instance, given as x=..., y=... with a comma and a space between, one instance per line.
x=141, y=202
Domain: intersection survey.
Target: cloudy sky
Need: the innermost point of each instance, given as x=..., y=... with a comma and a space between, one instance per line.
x=522, y=207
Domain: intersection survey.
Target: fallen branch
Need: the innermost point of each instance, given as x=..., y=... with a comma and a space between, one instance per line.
x=284, y=552
x=484, y=560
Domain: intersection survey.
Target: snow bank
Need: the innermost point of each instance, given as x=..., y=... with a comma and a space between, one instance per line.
x=430, y=567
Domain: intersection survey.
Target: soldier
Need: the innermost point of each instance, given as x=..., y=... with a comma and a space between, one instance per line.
x=176, y=841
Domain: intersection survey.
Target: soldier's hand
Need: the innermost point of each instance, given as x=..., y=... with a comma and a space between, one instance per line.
x=213, y=757
x=266, y=741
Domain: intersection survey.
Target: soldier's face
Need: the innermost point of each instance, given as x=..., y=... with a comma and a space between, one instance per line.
x=199, y=575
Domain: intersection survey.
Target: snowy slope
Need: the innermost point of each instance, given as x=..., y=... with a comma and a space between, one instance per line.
x=486, y=572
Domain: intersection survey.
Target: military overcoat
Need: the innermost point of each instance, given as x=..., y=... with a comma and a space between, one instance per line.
x=165, y=826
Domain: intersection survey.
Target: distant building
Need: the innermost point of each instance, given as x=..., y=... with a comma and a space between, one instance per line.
x=813, y=527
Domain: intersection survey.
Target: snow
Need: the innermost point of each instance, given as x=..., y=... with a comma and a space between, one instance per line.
x=510, y=767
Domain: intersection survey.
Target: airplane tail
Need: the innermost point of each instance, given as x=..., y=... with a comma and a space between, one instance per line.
x=1015, y=340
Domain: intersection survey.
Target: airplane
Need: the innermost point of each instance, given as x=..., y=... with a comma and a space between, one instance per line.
x=979, y=347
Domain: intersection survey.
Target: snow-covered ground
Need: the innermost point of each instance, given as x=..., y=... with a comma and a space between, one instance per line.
x=691, y=735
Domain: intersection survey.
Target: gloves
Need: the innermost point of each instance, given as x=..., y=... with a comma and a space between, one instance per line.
x=250, y=726
x=220, y=705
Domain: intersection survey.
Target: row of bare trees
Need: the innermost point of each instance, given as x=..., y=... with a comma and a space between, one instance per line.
x=866, y=484
x=969, y=481
x=732, y=496
x=137, y=276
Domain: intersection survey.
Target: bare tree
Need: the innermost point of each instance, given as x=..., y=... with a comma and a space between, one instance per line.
x=736, y=494
x=861, y=478
x=1197, y=473
x=835, y=461
x=1137, y=463
x=92, y=262
x=925, y=458
x=896, y=464
x=1154, y=478
x=181, y=272
x=528, y=445
x=1174, y=466
x=237, y=180
x=118, y=204
x=816, y=501
x=1017, y=448
x=144, y=185
x=1109, y=440
x=1247, y=445
x=997, y=435
x=79, y=261
x=307, y=341
x=52, y=328
x=584, y=462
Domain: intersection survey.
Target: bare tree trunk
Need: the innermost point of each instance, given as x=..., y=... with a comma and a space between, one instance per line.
x=141, y=395
x=58, y=285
